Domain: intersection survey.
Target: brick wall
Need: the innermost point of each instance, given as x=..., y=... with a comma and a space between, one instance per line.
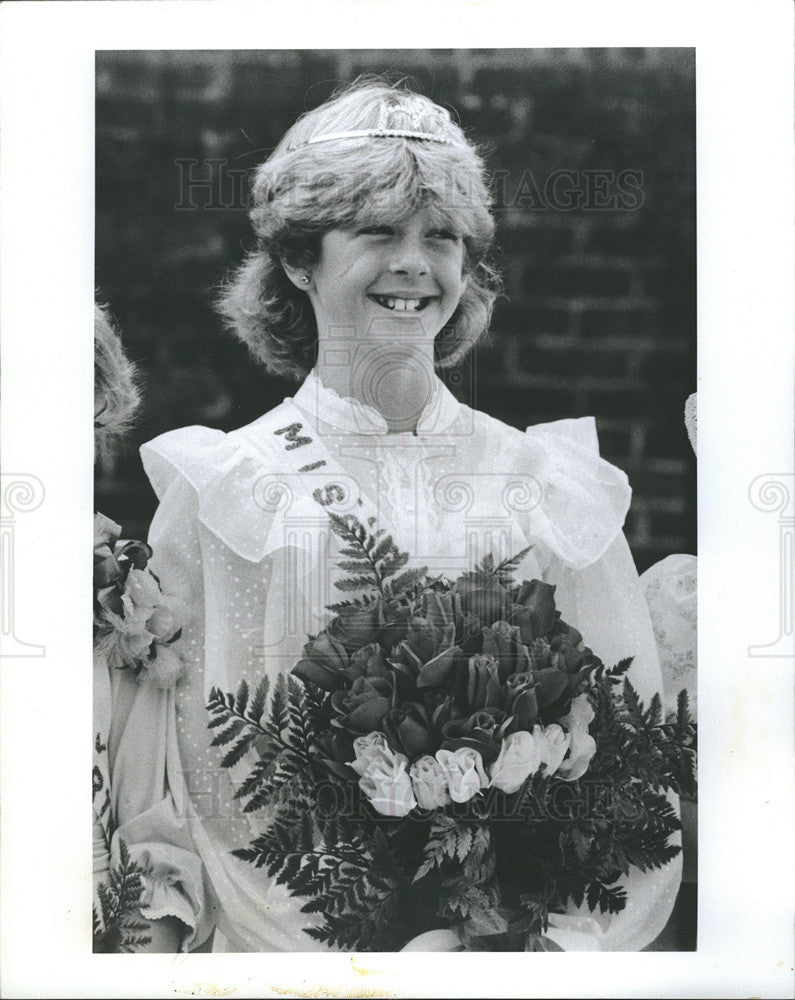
x=592, y=158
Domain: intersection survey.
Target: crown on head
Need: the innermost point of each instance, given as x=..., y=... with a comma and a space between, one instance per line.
x=380, y=133
x=405, y=121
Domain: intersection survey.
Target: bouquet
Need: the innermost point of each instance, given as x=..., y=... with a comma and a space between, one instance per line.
x=134, y=630
x=133, y=626
x=450, y=755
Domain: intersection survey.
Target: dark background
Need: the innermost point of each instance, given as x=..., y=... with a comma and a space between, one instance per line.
x=599, y=315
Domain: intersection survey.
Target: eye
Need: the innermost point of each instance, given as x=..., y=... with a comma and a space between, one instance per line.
x=444, y=234
x=375, y=231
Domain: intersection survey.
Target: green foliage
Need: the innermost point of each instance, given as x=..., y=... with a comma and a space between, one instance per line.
x=372, y=558
x=118, y=925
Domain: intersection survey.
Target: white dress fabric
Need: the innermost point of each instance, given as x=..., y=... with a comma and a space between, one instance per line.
x=245, y=557
x=671, y=592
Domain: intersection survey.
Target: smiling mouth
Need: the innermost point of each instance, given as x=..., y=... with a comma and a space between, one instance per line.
x=396, y=304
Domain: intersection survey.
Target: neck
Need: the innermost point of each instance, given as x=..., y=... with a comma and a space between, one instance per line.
x=399, y=383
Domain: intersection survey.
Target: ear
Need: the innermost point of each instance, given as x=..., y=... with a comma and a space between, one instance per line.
x=301, y=277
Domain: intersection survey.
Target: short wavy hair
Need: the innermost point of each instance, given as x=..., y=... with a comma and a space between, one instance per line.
x=302, y=191
x=116, y=382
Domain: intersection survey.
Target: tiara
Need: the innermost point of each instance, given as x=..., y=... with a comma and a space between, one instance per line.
x=379, y=133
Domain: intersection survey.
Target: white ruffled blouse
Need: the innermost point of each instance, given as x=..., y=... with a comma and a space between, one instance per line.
x=246, y=560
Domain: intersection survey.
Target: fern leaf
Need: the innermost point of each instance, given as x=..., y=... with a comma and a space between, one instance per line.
x=238, y=751
x=236, y=727
x=653, y=714
x=355, y=565
x=241, y=698
x=385, y=547
x=353, y=583
x=278, y=710
x=407, y=579
x=620, y=668
x=260, y=698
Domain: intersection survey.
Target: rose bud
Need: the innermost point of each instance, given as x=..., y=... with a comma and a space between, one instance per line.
x=409, y=728
x=483, y=597
x=362, y=709
x=387, y=785
x=355, y=626
x=483, y=682
x=483, y=731
x=581, y=749
x=463, y=771
x=502, y=641
x=550, y=685
x=539, y=599
x=367, y=749
x=581, y=713
x=573, y=658
x=405, y=667
x=429, y=783
x=521, y=700
x=552, y=743
x=436, y=671
x=368, y=661
x=519, y=758
x=324, y=663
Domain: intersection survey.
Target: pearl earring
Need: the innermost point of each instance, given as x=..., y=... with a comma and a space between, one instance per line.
x=304, y=279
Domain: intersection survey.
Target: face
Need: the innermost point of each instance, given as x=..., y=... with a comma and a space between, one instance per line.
x=403, y=278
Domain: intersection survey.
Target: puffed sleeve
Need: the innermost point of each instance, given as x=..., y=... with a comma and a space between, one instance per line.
x=605, y=600
x=148, y=793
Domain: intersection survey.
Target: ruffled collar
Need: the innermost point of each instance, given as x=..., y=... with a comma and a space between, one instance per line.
x=344, y=414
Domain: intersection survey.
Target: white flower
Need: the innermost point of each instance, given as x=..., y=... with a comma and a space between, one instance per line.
x=162, y=623
x=580, y=714
x=552, y=743
x=369, y=748
x=429, y=783
x=582, y=749
x=463, y=771
x=582, y=745
x=387, y=785
x=519, y=757
x=143, y=589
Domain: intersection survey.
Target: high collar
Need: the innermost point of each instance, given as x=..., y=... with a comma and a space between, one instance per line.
x=347, y=415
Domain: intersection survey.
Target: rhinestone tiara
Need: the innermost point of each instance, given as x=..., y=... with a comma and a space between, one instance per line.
x=379, y=133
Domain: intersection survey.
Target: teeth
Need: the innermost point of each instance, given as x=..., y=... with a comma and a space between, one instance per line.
x=399, y=305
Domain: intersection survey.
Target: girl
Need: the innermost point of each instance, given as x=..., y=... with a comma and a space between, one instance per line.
x=373, y=227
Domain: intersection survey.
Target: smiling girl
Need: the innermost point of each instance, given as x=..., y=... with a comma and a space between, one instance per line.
x=370, y=273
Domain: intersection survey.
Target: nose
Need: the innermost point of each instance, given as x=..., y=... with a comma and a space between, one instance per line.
x=409, y=258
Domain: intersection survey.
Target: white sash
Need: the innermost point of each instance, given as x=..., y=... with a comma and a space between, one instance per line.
x=309, y=485
x=308, y=467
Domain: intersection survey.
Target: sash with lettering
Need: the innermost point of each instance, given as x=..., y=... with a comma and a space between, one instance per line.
x=299, y=493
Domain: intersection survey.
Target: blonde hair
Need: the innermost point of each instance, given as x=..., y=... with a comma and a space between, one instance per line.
x=116, y=395
x=305, y=189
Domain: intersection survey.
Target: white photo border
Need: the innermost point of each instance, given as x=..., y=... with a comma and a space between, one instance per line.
x=745, y=362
